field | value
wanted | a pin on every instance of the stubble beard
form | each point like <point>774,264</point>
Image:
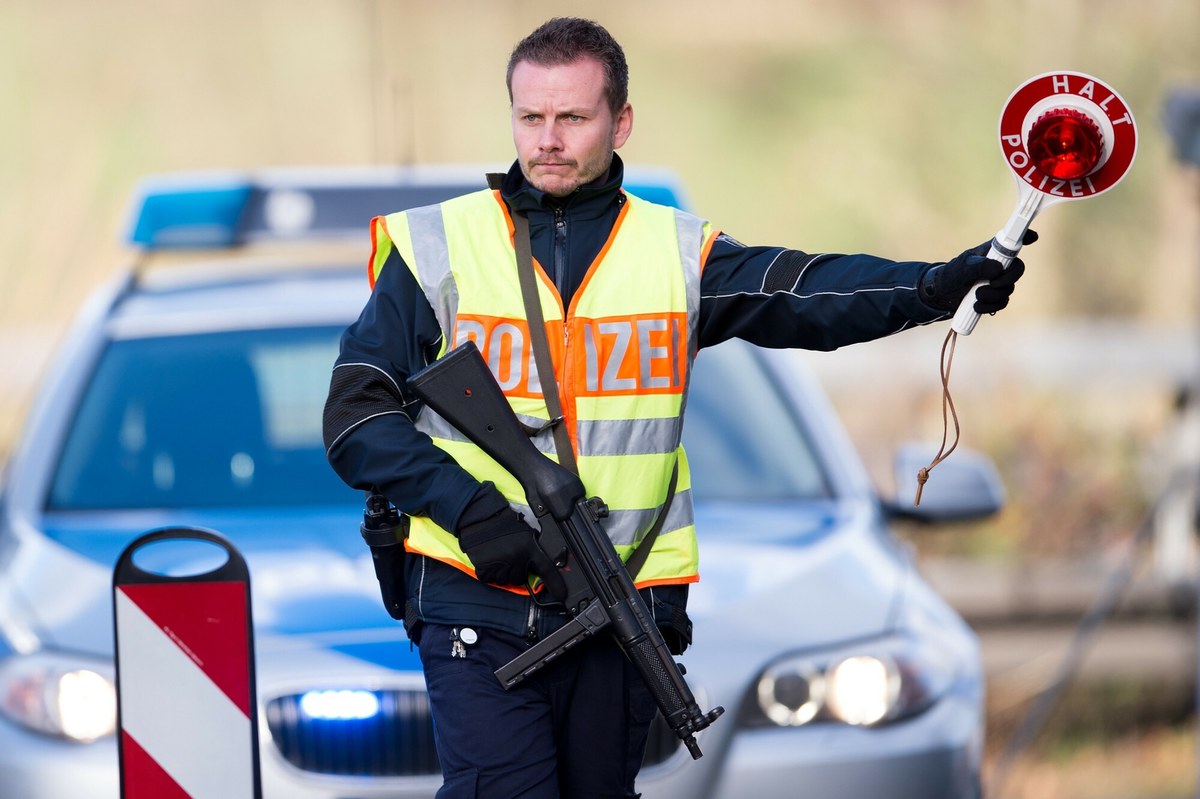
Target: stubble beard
<point>565,185</point>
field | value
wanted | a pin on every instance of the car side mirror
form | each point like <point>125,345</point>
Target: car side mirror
<point>964,487</point>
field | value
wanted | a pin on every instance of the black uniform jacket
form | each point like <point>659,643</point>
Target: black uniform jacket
<point>769,296</point>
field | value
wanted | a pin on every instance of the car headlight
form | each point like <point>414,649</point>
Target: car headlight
<point>869,684</point>
<point>61,696</point>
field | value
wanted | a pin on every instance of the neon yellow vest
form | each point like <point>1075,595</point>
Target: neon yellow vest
<point>622,352</point>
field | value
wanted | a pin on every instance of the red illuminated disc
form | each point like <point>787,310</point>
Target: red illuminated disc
<point>1067,135</point>
<point>1065,143</point>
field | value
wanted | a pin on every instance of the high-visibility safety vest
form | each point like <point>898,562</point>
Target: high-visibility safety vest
<point>623,353</point>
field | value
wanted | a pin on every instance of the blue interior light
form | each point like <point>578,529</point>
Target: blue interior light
<point>195,216</point>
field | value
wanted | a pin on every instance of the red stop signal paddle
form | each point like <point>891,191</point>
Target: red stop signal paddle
<point>1066,136</point>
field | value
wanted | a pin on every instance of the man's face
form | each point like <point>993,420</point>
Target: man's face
<point>563,129</point>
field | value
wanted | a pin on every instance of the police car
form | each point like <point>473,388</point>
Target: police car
<point>189,393</point>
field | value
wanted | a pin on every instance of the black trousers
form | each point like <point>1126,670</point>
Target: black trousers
<point>574,730</point>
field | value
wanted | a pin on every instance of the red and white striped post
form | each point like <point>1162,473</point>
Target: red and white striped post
<point>185,677</point>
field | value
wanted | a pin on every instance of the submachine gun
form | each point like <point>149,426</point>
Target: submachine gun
<point>600,594</point>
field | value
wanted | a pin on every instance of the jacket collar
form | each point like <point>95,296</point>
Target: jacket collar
<point>592,199</point>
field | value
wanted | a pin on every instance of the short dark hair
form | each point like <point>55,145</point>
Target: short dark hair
<point>564,40</point>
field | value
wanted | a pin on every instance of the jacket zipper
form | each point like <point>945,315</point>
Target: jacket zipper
<point>560,278</point>
<point>560,248</point>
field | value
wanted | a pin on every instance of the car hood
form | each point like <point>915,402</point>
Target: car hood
<point>822,573</point>
<point>313,589</point>
<point>305,582</point>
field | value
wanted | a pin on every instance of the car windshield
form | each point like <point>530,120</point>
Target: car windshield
<point>744,442</point>
<point>229,419</point>
<point>233,419</point>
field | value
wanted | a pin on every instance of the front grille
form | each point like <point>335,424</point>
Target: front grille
<point>395,742</point>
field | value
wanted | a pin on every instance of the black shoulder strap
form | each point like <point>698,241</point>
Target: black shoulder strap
<point>537,336</point>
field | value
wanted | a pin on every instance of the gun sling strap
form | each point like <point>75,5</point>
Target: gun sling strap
<point>545,366</point>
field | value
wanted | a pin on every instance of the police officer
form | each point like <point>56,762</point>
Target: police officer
<point>629,291</point>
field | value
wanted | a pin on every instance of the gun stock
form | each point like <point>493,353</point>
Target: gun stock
<point>601,594</point>
<point>460,388</point>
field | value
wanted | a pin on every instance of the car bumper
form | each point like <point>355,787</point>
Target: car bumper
<point>35,766</point>
<point>933,756</point>
<point>899,762</point>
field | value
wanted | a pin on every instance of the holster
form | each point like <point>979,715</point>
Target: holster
<point>384,529</point>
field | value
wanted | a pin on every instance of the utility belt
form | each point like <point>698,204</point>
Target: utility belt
<point>384,530</point>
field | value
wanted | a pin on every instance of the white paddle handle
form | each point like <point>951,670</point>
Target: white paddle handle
<point>1005,247</point>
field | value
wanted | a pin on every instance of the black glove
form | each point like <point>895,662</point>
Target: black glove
<point>943,286</point>
<point>502,547</point>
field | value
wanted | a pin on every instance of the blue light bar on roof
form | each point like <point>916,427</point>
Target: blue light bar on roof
<point>657,185</point>
<point>655,193</point>
<point>198,216</point>
<point>225,209</point>
<point>214,210</point>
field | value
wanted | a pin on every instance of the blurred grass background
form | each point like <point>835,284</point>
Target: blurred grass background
<point>827,125</point>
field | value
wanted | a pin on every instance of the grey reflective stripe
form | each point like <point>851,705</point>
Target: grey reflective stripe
<point>628,527</point>
<point>468,329</point>
<point>676,346</point>
<point>432,255</point>
<point>592,372</point>
<point>622,333</point>
<point>433,425</point>
<point>544,440</point>
<point>629,436</point>
<point>681,513</point>
<point>690,231</point>
<point>497,349</point>
<point>651,353</point>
